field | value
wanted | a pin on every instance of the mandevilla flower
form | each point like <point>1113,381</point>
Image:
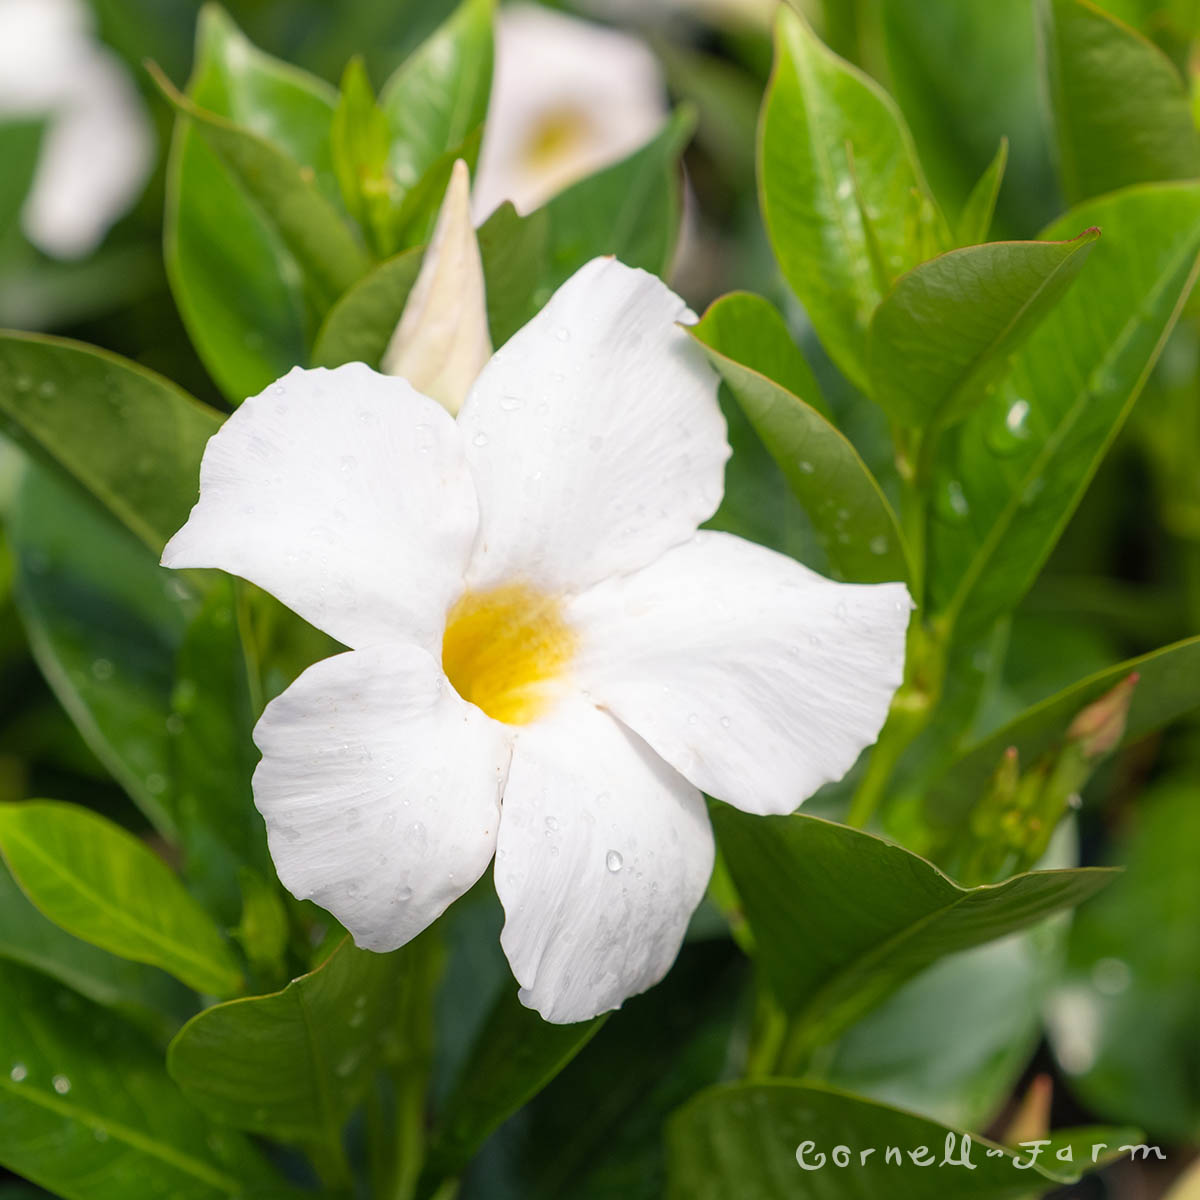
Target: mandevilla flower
<point>98,147</point>
<point>548,663</point>
<point>569,97</point>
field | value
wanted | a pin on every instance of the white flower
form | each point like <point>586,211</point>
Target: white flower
<point>549,663</point>
<point>442,341</point>
<point>98,147</point>
<point>569,97</point>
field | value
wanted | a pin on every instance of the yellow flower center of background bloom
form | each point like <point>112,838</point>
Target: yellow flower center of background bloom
<point>556,135</point>
<point>504,650</point>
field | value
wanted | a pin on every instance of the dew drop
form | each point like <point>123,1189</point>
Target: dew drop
<point>806,467</point>
<point>563,333</point>
<point>952,502</point>
<point>480,439</point>
<point>349,462</point>
<point>878,544</point>
<point>62,1085</point>
<point>18,1073</point>
<point>48,390</point>
<point>510,403</point>
<point>100,1133</point>
<point>613,861</point>
<point>725,722</point>
<point>551,824</point>
<point>102,669</point>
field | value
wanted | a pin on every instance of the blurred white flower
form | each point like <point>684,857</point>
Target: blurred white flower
<point>442,341</point>
<point>549,661</point>
<point>98,147</point>
<point>569,97</point>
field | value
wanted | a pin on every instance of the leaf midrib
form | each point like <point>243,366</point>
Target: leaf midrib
<point>204,966</point>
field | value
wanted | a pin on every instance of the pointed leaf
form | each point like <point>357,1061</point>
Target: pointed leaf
<point>87,1111</point>
<point>1011,475</point>
<point>239,290</point>
<point>975,221</point>
<point>82,410</point>
<point>294,1063</point>
<point>838,180</point>
<point>944,333</point>
<point>793,875</point>
<point>1121,112</point>
<point>439,94</point>
<point>103,885</point>
<point>852,518</point>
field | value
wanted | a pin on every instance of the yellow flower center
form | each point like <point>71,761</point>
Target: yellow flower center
<point>556,135</point>
<point>505,649</point>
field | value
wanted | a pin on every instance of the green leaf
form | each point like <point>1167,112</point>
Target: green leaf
<point>515,1055</point>
<point>1124,1023</point>
<point>238,288</point>
<point>1121,113</point>
<point>842,193</point>
<point>103,885</point>
<point>439,95</point>
<point>793,875</point>
<point>1011,475</point>
<point>758,337</point>
<point>306,221</point>
<point>212,756</point>
<point>975,221</point>
<point>944,333</point>
<point>743,1140</point>
<point>596,1131</point>
<point>129,437</point>
<point>294,1063</point>
<point>104,622</point>
<point>359,144</point>
<point>20,145</point>
<point>143,995</point>
<point>630,210</point>
<point>87,1111</point>
<point>1168,688</point>
<point>850,513</point>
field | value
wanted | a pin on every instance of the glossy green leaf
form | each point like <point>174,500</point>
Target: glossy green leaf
<point>944,333</point>
<point>294,1063</point>
<point>212,755</point>
<point>966,75</point>
<point>143,995</point>
<point>630,210</point>
<point>793,875</point>
<point>103,885</point>
<point>596,1131</point>
<point>1124,1023</point>
<point>359,145</point>
<point>1011,475</point>
<point>239,290</point>
<point>1121,113</point>
<point>845,205</point>
<point>127,436</point>
<point>743,1140</point>
<point>755,334</point>
<point>439,95</point>
<point>975,221</point>
<point>306,221</point>
<point>1168,688</point>
<point>88,1112</point>
<point>853,520</point>
<point>515,1055</point>
<point>104,622</point>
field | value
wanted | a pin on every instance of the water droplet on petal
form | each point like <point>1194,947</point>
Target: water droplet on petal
<point>551,824</point>
<point>480,439</point>
<point>563,333</point>
<point>510,403</point>
<point>613,861</point>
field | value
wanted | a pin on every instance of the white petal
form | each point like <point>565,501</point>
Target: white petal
<point>345,494</point>
<point>99,145</point>
<point>442,341</point>
<point>380,789</point>
<point>594,435</point>
<point>604,853</point>
<point>568,98</point>
<point>753,676</point>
